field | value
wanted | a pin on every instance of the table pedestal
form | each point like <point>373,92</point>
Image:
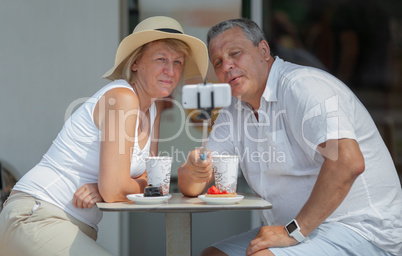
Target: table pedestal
<point>178,234</point>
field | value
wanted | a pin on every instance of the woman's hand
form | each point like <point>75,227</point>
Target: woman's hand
<point>87,196</point>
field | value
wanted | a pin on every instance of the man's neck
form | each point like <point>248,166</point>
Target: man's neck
<point>255,101</point>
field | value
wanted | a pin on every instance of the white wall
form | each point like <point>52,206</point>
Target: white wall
<point>52,52</point>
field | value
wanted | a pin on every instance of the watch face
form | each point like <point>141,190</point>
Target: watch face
<point>291,227</point>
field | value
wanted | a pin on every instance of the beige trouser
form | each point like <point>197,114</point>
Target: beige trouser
<point>29,226</point>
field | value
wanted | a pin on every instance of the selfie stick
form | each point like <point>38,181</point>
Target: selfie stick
<point>204,139</point>
<point>205,115</point>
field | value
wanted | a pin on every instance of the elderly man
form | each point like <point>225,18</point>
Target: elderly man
<point>328,174</point>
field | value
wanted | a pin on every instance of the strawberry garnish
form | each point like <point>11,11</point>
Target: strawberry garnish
<point>213,190</point>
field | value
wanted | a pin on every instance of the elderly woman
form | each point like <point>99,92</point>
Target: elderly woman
<point>99,153</point>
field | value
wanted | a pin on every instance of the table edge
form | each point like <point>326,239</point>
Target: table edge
<point>158,209</point>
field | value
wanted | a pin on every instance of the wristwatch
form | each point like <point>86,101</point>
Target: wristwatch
<point>293,230</point>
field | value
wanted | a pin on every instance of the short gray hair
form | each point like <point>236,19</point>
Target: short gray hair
<point>250,29</point>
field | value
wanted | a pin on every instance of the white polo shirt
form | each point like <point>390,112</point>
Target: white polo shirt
<point>301,108</point>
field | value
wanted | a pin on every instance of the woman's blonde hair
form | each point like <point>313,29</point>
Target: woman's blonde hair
<point>172,44</point>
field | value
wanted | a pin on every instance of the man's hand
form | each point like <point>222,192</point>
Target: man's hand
<point>87,196</point>
<point>198,170</point>
<point>195,173</point>
<point>270,236</point>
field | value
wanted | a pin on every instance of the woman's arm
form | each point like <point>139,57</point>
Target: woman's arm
<point>117,121</point>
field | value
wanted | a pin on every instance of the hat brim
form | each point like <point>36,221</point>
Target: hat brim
<point>196,63</point>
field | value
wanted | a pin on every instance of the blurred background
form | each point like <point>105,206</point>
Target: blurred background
<point>53,54</point>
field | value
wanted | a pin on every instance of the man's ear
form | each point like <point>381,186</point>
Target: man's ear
<point>265,51</point>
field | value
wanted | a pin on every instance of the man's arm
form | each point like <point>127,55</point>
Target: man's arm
<point>195,174</point>
<point>343,163</point>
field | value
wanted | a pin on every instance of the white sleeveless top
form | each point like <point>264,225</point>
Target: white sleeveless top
<point>73,160</point>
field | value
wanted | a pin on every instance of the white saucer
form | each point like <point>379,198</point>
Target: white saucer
<point>221,200</point>
<point>140,199</point>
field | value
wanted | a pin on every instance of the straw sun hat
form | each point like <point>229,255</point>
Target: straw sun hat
<point>156,28</point>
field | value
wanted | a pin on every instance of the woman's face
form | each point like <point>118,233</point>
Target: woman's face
<point>159,69</point>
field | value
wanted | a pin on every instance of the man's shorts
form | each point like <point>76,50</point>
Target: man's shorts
<point>329,239</point>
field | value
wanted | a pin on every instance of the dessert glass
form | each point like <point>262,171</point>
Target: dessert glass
<point>158,172</point>
<point>225,172</point>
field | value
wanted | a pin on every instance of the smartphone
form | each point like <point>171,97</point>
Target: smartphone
<point>200,96</point>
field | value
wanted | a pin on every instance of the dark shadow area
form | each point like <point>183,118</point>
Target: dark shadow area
<point>359,42</point>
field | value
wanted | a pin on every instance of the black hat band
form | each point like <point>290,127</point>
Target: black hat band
<point>169,30</point>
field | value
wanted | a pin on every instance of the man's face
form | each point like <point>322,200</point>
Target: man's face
<point>241,64</point>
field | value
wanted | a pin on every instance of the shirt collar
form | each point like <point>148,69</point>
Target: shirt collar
<point>241,105</point>
<point>271,87</point>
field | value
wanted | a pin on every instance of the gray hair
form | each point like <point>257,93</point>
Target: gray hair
<point>250,29</point>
